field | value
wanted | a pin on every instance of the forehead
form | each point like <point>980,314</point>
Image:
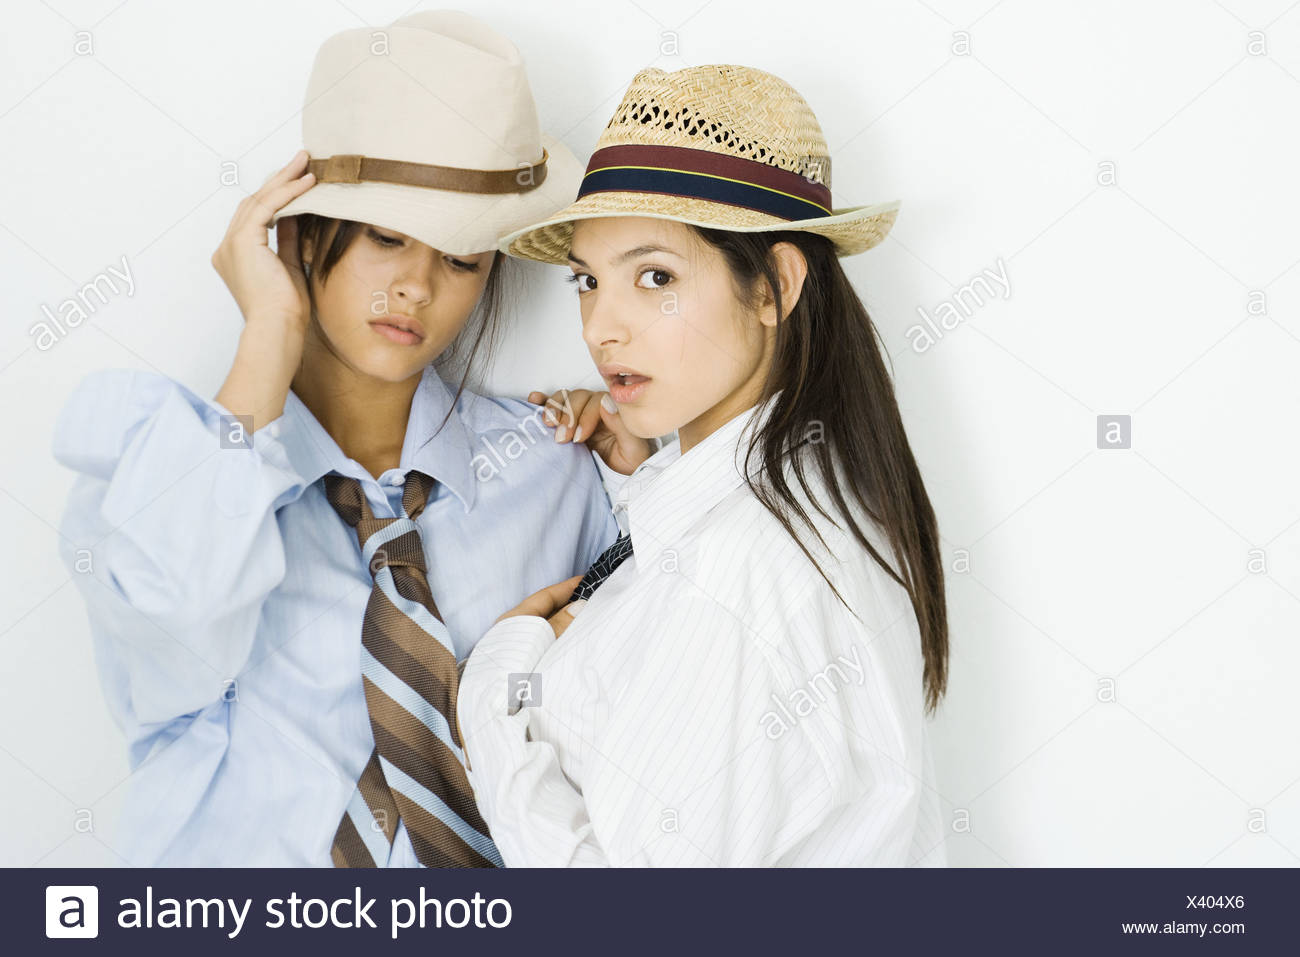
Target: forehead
<point>602,240</point>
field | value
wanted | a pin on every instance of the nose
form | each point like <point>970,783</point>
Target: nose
<point>413,285</point>
<point>601,326</point>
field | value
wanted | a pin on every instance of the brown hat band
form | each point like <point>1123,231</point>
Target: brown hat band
<point>354,168</point>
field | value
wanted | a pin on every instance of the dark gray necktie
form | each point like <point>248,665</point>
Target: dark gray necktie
<point>603,567</point>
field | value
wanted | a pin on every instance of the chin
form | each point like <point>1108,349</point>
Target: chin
<point>390,368</point>
<point>645,423</point>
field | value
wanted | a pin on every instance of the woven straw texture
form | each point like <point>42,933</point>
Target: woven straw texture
<point>734,110</point>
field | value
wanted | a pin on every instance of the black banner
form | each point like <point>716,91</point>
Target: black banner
<point>524,912</point>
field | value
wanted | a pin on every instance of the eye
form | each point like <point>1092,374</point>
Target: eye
<point>389,242</point>
<point>583,281</point>
<point>461,265</point>
<point>658,278</point>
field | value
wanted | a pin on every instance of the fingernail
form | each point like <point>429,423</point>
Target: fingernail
<point>577,434</point>
<point>609,404</point>
<point>576,606</point>
<point>561,433</point>
<point>549,416</point>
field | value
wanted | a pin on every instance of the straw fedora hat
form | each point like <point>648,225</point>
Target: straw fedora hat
<point>722,146</point>
<point>428,127</point>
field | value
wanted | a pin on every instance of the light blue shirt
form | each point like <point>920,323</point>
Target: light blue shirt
<point>225,594</point>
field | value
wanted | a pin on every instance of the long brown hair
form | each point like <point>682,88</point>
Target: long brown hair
<point>829,370</point>
<point>482,329</point>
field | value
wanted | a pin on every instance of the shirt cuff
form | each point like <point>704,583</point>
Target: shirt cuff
<point>511,646</point>
<point>485,700</point>
<point>270,442</point>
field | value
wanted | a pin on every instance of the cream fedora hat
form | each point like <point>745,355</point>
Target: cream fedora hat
<point>428,127</point>
<point>722,146</point>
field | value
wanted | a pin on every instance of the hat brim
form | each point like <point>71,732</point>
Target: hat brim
<point>456,223</point>
<point>852,230</point>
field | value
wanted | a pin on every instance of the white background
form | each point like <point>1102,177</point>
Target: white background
<point>1086,566</point>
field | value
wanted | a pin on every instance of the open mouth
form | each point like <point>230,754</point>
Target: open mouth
<point>625,387</point>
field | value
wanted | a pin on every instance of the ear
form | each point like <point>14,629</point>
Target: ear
<point>791,271</point>
<point>308,252</point>
<point>326,237</point>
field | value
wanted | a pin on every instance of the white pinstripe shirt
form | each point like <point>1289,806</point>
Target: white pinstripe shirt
<point>714,703</point>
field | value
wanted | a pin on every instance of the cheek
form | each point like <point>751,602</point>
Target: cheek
<point>334,301</point>
<point>355,283</point>
<point>662,337</point>
<point>463,291</point>
<point>717,340</point>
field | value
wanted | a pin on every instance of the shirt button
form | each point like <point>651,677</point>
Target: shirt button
<point>395,479</point>
<point>273,430</point>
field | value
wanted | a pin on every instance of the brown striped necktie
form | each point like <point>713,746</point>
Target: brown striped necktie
<point>408,669</point>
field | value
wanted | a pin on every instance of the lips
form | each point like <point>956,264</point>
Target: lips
<point>625,383</point>
<point>403,330</point>
<point>612,371</point>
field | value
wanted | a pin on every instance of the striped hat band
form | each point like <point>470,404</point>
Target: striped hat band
<point>704,174</point>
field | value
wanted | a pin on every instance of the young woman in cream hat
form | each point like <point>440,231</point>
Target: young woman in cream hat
<point>747,680</point>
<point>282,661</point>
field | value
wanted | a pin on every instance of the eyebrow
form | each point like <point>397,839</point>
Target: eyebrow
<point>630,254</point>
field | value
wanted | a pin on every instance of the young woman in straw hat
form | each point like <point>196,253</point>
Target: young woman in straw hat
<point>747,679</point>
<point>273,719</point>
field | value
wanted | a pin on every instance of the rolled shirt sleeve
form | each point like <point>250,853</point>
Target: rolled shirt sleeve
<point>535,815</point>
<point>171,536</point>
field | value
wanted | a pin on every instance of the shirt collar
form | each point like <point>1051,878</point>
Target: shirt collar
<point>669,492</point>
<point>444,455</point>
